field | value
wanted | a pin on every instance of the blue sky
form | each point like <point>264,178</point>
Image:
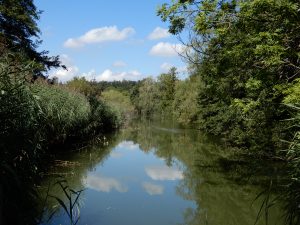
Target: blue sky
<point>108,40</point>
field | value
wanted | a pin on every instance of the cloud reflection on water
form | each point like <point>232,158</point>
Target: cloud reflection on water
<point>163,173</point>
<point>153,189</point>
<point>116,154</point>
<point>104,184</point>
<point>129,145</point>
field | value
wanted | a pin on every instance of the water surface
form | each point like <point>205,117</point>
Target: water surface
<point>159,174</point>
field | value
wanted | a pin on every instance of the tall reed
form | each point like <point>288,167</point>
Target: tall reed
<point>32,117</point>
<point>62,111</point>
<point>19,142</point>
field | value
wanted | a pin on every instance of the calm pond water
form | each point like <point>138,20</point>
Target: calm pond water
<point>159,174</point>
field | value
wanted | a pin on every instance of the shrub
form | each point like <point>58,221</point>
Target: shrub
<point>103,118</point>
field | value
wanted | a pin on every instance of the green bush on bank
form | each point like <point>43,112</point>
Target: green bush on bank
<point>103,118</point>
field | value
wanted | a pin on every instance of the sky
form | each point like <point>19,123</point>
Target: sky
<point>108,40</point>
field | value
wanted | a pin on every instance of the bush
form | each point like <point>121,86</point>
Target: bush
<point>103,118</point>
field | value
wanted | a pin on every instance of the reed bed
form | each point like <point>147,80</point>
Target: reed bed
<point>34,117</point>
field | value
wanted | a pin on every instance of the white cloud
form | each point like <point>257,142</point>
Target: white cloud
<point>153,189</point>
<point>91,75</point>
<point>166,49</point>
<point>108,75</point>
<point>159,33</point>
<point>119,64</point>
<point>104,184</point>
<point>128,145</point>
<point>164,173</point>
<point>99,35</point>
<point>62,74</point>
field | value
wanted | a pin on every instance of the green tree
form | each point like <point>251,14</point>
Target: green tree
<point>246,54</point>
<point>148,100</point>
<point>166,85</point>
<point>185,104</point>
<point>81,85</point>
<point>119,101</point>
<point>19,32</point>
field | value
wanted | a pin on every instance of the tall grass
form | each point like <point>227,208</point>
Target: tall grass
<point>291,194</point>
<point>72,204</point>
<point>63,112</point>
<point>32,117</point>
<point>288,194</point>
<point>19,142</point>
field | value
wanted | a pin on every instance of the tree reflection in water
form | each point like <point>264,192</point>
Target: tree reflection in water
<point>222,186</point>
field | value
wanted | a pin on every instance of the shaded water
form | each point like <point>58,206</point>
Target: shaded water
<point>153,173</point>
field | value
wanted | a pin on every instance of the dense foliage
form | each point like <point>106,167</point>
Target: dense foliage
<point>19,33</point>
<point>123,85</point>
<point>119,102</point>
<point>116,94</point>
<point>167,96</point>
<point>246,55</point>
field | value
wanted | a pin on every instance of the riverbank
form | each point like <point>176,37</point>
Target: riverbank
<point>34,118</point>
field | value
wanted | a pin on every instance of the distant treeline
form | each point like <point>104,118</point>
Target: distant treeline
<point>167,96</point>
<point>123,85</point>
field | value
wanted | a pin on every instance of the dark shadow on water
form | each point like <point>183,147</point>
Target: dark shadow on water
<point>278,189</point>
